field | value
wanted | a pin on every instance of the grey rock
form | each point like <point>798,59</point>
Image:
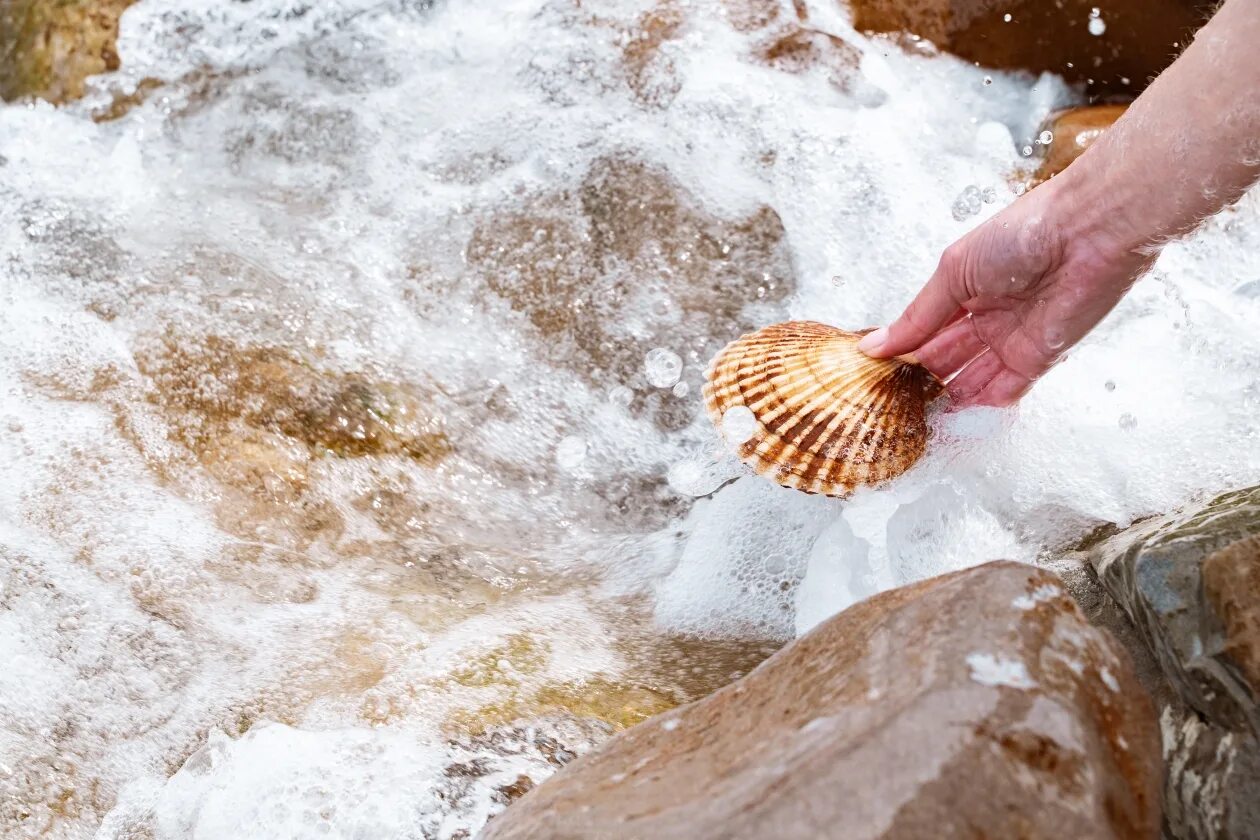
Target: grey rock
<point>1155,571</point>
<point>1189,587</point>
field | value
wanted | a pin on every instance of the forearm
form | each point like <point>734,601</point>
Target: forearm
<point>1187,147</point>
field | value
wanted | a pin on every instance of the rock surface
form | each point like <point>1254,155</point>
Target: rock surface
<point>48,47</point>
<point>976,704</point>
<point>1119,50</point>
<point>1073,131</point>
<point>1190,583</point>
<point>1181,578</point>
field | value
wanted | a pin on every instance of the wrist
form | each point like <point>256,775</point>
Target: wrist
<point>1097,216</point>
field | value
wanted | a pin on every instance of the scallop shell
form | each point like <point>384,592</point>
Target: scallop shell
<point>829,418</point>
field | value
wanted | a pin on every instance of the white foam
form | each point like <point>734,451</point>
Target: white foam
<point>988,669</point>
<point>311,179</point>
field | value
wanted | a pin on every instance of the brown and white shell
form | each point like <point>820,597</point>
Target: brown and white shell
<point>828,417</point>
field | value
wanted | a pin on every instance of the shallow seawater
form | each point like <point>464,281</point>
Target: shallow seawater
<point>355,470</point>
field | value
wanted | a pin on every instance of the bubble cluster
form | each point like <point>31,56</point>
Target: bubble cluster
<point>662,367</point>
<point>971,200</point>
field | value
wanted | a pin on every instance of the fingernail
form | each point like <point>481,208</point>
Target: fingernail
<point>871,342</point>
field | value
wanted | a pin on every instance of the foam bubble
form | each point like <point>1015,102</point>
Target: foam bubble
<point>739,424</point>
<point>662,367</point>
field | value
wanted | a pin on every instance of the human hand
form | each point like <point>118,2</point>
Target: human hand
<point>1011,297</point>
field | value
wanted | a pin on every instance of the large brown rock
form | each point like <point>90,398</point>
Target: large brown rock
<point>1139,38</point>
<point>978,704</point>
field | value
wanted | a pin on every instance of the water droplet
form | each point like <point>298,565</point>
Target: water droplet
<point>621,395</point>
<point>1045,137</point>
<point>968,203</point>
<point>1027,151</point>
<point>1128,422</point>
<point>662,367</point>
<point>1096,24</point>
<point>1109,385</point>
<point>738,424</point>
<point>1007,17</point>
<point>571,452</point>
<point>988,80</point>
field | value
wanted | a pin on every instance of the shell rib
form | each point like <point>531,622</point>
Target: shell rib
<point>829,417</point>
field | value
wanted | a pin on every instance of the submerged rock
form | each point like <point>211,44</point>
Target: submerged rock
<point>607,271</point>
<point>1115,47</point>
<point>788,43</point>
<point>797,49</point>
<point>976,704</point>
<point>276,392</point>
<point>48,48</point>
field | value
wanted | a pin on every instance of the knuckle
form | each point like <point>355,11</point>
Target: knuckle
<point>953,258</point>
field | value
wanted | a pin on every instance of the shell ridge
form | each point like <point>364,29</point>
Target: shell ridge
<point>829,418</point>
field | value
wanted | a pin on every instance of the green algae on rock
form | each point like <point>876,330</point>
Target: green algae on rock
<point>48,47</point>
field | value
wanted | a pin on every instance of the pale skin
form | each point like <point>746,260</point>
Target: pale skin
<point>1009,299</point>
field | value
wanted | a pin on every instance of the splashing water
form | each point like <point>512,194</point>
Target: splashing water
<point>328,436</point>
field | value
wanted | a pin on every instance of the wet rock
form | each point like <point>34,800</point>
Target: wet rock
<point>1210,772</point>
<point>1007,716</point>
<point>751,15</point>
<point>797,49</point>
<point>1181,579</point>
<point>1212,782</point>
<point>1231,585</point>
<point>1118,50</point>
<point>650,71</point>
<point>263,422</point>
<point>1190,583</point>
<point>1072,132</point>
<point>661,672</point>
<point>608,270</point>
<point>275,392</point>
<point>786,42</point>
<point>48,48</point>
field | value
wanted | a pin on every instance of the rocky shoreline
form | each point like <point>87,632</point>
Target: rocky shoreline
<point>1001,701</point>
<point>1111,693</point>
